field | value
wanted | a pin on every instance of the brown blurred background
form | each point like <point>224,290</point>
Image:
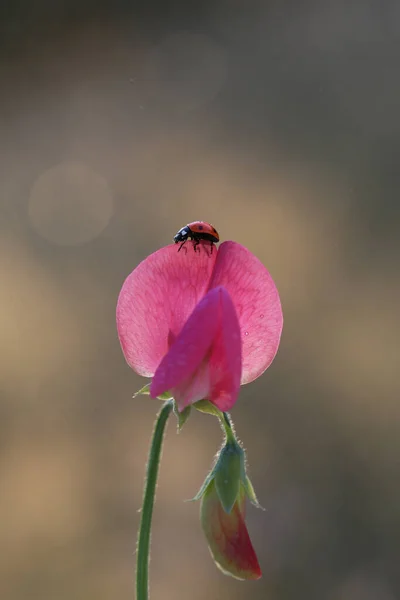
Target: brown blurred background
<point>278,121</point>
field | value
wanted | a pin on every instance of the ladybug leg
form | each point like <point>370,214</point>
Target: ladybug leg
<point>180,247</point>
<point>196,241</point>
<point>212,247</point>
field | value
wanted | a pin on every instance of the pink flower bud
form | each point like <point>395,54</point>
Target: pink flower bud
<point>227,535</point>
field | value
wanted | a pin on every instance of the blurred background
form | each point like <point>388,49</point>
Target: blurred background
<point>278,122</point>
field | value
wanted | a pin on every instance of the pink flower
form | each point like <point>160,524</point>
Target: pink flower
<point>200,323</point>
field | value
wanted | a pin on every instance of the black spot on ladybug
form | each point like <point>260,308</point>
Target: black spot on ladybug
<point>201,227</point>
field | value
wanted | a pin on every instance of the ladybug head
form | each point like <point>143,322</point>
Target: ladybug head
<point>182,235</point>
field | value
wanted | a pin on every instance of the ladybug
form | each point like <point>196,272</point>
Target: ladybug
<point>197,231</point>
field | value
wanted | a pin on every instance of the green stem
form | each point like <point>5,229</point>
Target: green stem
<point>143,545</point>
<point>227,427</point>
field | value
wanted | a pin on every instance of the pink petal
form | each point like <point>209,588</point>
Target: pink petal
<point>179,365</point>
<point>156,300</point>
<point>227,536</point>
<point>205,359</point>
<point>196,387</point>
<point>257,305</point>
<point>226,357</point>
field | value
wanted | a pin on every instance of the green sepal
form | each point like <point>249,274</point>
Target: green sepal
<point>145,391</point>
<point>250,493</point>
<point>165,396</point>
<point>183,416</point>
<point>205,406</point>
<point>247,485</point>
<point>204,487</point>
<point>228,475</point>
<point>229,471</point>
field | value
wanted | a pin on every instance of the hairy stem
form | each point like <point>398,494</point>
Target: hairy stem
<point>143,544</point>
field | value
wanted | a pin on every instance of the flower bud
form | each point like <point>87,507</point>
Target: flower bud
<point>227,535</point>
<point>222,513</point>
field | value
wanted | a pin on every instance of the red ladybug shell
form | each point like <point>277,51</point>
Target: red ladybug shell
<point>201,228</point>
